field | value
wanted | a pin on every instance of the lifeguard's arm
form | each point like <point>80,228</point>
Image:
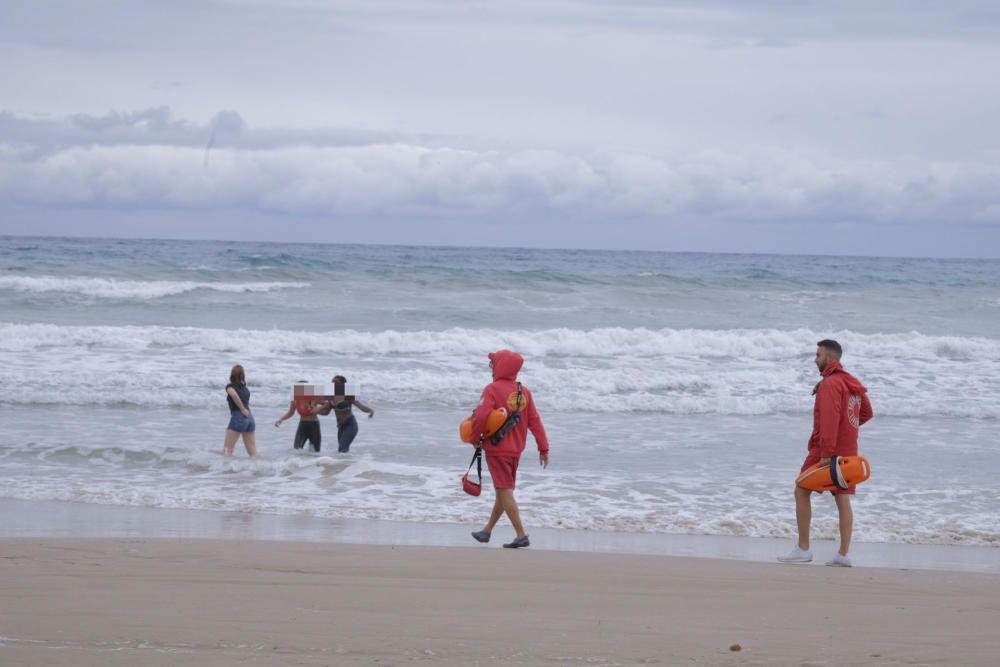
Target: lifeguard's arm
<point>829,404</point>
<point>866,409</point>
<point>236,399</point>
<point>364,408</point>
<point>487,403</point>
<point>287,415</point>
<point>537,428</point>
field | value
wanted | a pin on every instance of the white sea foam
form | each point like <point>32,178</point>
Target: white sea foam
<point>409,489</point>
<point>108,288</point>
<point>756,344</point>
<point>742,372</point>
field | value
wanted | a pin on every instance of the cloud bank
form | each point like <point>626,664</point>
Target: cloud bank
<point>152,160</point>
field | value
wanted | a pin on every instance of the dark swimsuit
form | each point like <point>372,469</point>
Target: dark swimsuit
<point>347,425</point>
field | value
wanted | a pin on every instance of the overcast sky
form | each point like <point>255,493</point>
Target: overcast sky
<point>867,128</point>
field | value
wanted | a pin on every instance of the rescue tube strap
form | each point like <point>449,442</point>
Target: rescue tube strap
<point>511,422</point>
<point>477,460</point>
<point>834,476</point>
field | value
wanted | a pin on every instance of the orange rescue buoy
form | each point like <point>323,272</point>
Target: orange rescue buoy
<point>493,422</point>
<point>842,472</point>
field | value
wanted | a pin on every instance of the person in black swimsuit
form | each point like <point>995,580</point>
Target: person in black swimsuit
<point>347,425</point>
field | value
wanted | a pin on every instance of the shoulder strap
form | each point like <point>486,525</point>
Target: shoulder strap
<point>512,420</point>
<point>477,460</point>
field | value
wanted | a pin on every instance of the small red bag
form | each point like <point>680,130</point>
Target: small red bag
<point>470,487</point>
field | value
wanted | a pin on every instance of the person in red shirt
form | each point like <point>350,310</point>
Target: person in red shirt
<point>308,422</point>
<point>841,407</point>
<point>503,457</point>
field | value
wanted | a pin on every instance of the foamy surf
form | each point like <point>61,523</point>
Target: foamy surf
<point>109,288</point>
<point>671,371</point>
<point>411,483</point>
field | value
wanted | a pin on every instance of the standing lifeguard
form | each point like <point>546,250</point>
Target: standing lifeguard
<point>841,408</point>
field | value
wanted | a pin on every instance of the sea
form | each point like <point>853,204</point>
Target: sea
<point>675,387</point>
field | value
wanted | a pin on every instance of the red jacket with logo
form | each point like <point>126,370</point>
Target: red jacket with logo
<point>502,393</point>
<point>842,406</point>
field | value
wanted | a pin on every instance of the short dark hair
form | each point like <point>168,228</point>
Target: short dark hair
<point>832,346</point>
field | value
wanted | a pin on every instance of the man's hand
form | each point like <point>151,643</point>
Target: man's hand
<point>543,459</point>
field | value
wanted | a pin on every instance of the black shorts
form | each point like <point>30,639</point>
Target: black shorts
<point>308,431</point>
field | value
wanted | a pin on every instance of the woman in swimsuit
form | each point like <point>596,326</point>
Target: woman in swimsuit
<point>347,425</point>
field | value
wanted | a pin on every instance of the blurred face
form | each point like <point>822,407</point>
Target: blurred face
<point>823,358</point>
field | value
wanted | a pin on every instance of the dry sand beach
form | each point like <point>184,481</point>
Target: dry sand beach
<point>204,602</point>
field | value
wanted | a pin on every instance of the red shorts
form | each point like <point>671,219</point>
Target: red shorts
<point>503,470</point>
<point>813,460</point>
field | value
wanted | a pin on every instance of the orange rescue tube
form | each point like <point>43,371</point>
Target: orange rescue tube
<point>842,472</point>
<point>493,422</point>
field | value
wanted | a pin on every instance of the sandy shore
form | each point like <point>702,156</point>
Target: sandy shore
<point>201,602</point>
<point>52,519</point>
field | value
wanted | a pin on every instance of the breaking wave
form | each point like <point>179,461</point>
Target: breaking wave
<point>109,288</point>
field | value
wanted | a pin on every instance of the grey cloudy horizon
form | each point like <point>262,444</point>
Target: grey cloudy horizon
<point>821,128</point>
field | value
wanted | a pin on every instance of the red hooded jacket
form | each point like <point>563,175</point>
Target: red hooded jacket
<point>842,406</point>
<point>502,393</point>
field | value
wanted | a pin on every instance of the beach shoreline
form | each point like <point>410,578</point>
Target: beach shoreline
<point>220,603</point>
<point>24,519</point>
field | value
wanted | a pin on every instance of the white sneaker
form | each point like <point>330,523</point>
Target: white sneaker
<point>839,560</point>
<point>797,555</point>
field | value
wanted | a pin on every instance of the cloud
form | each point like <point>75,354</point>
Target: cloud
<point>158,126</point>
<point>151,160</point>
<point>766,23</point>
<point>117,26</point>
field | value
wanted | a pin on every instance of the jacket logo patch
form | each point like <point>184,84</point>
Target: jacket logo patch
<point>854,410</point>
<point>512,401</point>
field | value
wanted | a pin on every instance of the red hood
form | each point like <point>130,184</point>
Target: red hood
<point>506,364</point>
<point>853,384</point>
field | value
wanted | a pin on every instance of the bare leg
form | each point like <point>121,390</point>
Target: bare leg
<point>506,496</point>
<point>495,514</point>
<point>803,515</point>
<point>230,442</point>
<point>250,442</point>
<point>846,522</point>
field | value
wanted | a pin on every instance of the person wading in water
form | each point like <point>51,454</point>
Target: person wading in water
<point>340,404</point>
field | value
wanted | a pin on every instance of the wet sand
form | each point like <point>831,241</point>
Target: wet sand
<point>204,602</point>
<point>29,519</point>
